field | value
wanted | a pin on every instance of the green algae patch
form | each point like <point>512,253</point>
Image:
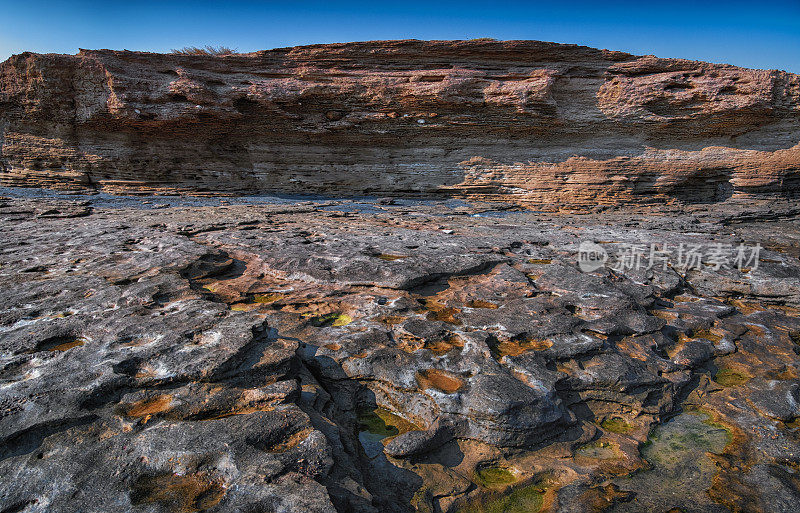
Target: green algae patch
<point>377,426</point>
<point>715,428</point>
<point>342,320</point>
<point>212,287</point>
<point>373,422</point>
<point>266,298</point>
<point>331,319</point>
<point>494,477</point>
<point>421,500</point>
<point>729,377</point>
<point>525,499</point>
<point>380,421</point>
<point>616,425</point>
<point>685,437</point>
<point>678,454</point>
<point>599,450</point>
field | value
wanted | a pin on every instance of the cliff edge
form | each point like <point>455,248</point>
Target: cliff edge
<point>523,121</point>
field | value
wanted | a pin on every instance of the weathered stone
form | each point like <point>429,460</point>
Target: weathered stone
<point>420,442</point>
<point>162,359</point>
<point>521,121</point>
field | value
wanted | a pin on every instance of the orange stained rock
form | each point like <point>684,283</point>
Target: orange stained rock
<point>149,406</point>
<point>444,381</point>
<point>178,493</point>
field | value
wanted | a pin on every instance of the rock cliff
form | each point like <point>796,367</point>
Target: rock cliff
<point>523,121</point>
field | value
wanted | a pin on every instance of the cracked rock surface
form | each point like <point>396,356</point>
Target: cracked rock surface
<point>392,356</point>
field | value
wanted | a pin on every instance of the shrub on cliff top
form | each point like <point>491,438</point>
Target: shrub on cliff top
<point>206,50</point>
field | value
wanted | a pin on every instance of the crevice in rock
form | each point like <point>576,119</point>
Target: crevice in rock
<point>29,439</point>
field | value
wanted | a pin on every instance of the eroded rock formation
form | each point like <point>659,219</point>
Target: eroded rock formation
<point>357,357</point>
<point>530,122</point>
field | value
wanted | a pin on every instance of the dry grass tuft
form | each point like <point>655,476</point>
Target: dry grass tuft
<point>215,51</point>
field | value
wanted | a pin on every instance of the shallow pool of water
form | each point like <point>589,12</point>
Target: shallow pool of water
<point>682,471</point>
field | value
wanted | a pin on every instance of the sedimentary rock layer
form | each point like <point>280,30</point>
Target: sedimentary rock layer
<point>523,121</point>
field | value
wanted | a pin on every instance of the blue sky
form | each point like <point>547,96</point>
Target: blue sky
<point>759,34</point>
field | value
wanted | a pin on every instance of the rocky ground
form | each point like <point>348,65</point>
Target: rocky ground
<point>392,356</point>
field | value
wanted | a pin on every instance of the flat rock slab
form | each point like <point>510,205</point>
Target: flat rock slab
<point>206,357</point>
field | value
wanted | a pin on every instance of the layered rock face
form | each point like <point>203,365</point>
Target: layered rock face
<point>528,122</point>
